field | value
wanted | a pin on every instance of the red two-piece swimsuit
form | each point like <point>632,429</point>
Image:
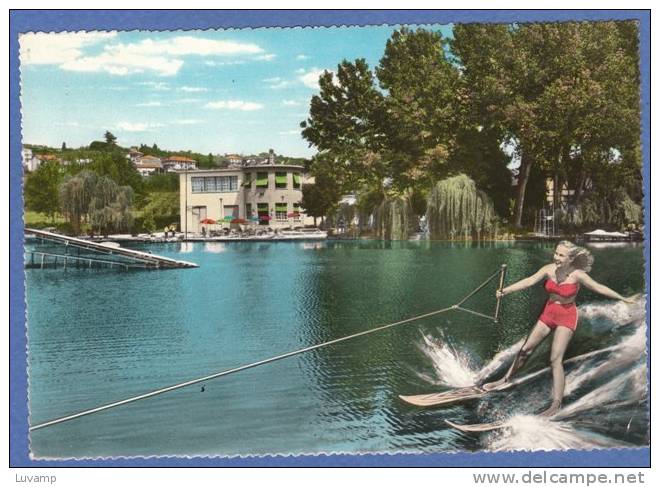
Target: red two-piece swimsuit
<point>557,314</point>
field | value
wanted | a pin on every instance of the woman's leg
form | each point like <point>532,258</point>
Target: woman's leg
<point>560,343</point>
<point>539,332</point>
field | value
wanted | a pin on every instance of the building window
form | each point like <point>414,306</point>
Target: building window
<point>280,211</point>
<point>210,184</point>
<point>262,213</point>
<point>197,185</point>
<point>296,180</point>
<point>262,180</point>
<point>227,183</point>
<point>280,180</point>
<point>248,210</point>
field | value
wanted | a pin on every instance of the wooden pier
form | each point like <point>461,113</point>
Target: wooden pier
<point>77,252</point>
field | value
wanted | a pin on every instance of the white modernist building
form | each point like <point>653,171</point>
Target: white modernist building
<point>265,195</point>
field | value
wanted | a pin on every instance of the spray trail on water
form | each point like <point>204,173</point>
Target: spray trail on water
<point>526,432</point>
<point>611,315</point>
<point>626,354</point>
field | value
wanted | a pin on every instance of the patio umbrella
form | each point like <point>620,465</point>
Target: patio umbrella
<point>295,214</point>
<point>239,220</point>
<point>264,218</point>
<point>228,218</point>
<point>208,221</point>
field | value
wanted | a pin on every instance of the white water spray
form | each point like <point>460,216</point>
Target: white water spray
<point>453,368</point>
<point>524,432</point>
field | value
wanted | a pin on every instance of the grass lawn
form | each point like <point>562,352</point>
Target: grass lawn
<point>34,219</point>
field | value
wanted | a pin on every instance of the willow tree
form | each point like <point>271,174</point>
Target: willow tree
<point>76,193</point>
<point>86,197</point>
<point>110,207</point>
<point>457,209</point>
<point>394,218</point>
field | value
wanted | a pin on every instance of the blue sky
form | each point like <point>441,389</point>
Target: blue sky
<point>228,91</point>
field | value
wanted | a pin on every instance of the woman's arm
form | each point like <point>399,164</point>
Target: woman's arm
<point>584,278</point>
<point>527,282</point>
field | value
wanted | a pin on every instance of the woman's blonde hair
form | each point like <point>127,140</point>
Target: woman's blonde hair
<point>580,257</point>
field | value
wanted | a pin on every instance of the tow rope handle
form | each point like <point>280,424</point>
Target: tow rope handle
<point>499,291</point>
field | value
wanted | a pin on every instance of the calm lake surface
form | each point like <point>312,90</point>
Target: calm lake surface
<point>98,336</point>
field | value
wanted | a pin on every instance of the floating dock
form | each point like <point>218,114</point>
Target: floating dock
<point>77,252</point>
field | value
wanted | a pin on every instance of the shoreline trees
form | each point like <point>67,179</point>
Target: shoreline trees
<point>564,95</point>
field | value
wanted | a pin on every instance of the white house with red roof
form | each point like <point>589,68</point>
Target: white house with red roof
<point>179,163</point>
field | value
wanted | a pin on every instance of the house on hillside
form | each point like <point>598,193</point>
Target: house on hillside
<point>134,154</point>
<point>179,163</point>
<point>234,159</point>
<point>148,165</point>
<point>30,161</point>
<point>52,158</point>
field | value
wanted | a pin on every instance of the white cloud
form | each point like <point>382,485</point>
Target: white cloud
<point>162,57</point>
<point>311,78</point>
<point>124,62</point>
<point>57,48</point>
<point>187,121</point>
<point>150,104</point>
<point>187,100</point>
<point>138,127</point>
<point>289,132</point>
<point>224,63</point>
<point>156,85</point>
<point>186,46</point>
<point>302,57</point>
<point>291,103</point>
<point>245,106</point>
<point>193,89</point>
<point>277,83</point>
<point>266,57</point>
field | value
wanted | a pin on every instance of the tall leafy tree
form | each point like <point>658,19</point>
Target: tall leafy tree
<point>120,169</point>
<point>422,115</point>
<point>321,198</point>
<point>41,188</point>
<point>344,124</point>
<point>110,138</point>
<point>552,88</point>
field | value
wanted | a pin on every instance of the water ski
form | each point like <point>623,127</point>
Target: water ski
<point>449,397</point>
<point>478,427</point>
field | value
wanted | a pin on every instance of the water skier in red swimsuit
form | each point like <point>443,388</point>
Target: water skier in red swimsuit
<point>563,278</point>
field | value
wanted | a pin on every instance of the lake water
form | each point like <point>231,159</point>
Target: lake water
<point>98,336</point>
